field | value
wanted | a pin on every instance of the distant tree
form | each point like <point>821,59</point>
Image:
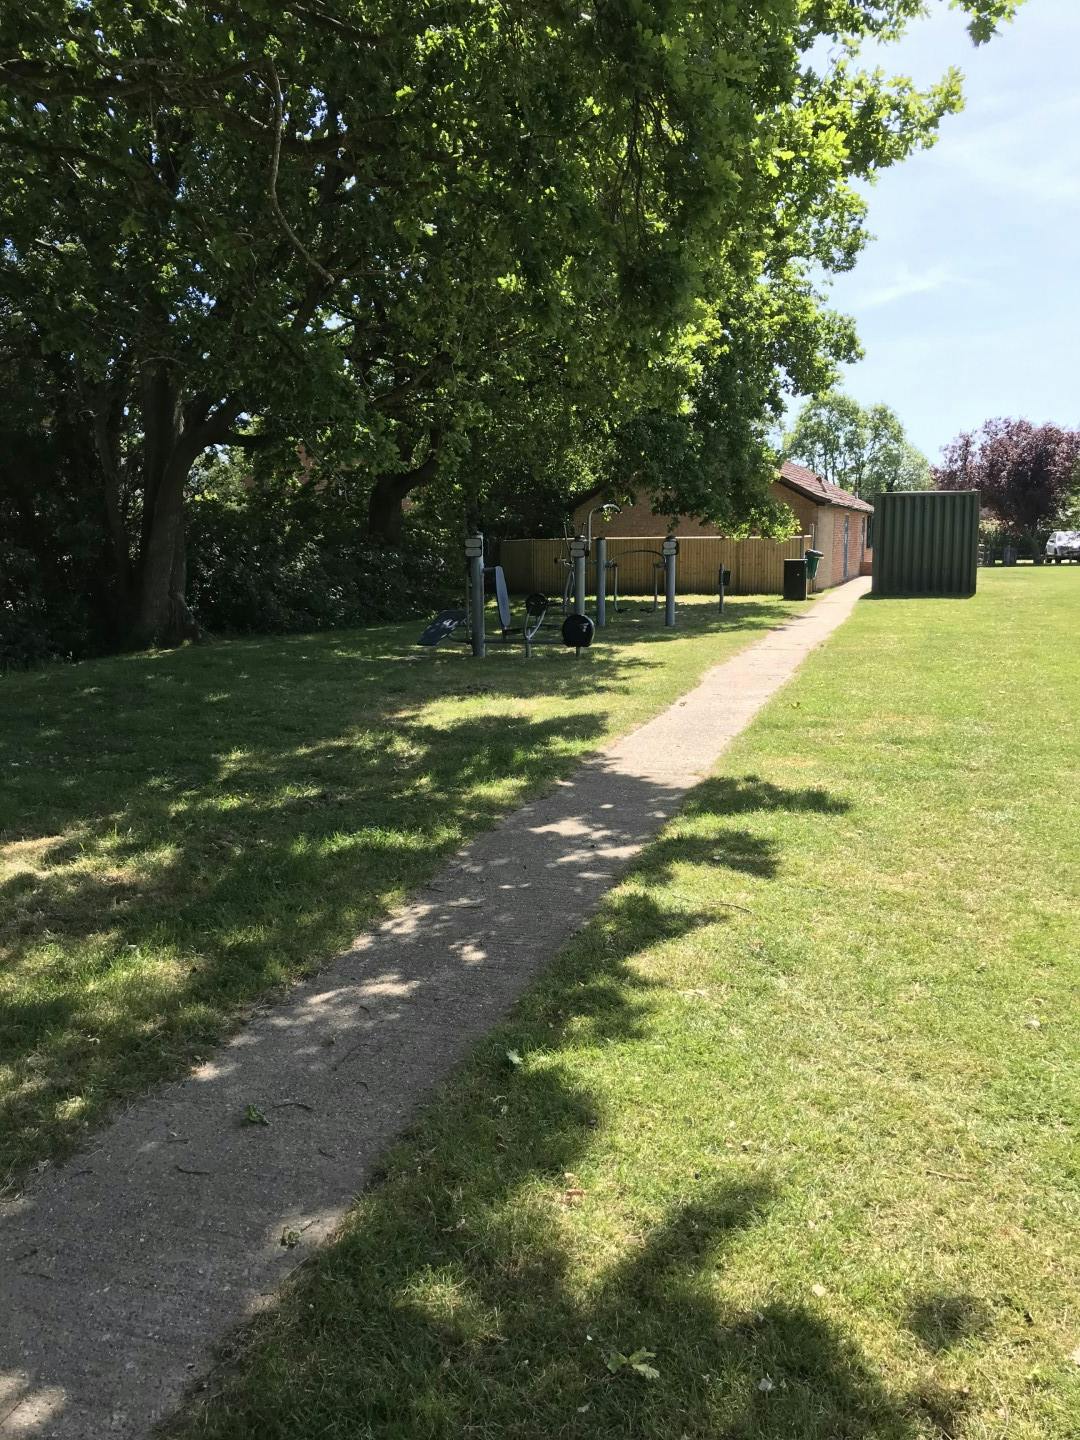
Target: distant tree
<point>862,448</point>
<point>1027,475</point>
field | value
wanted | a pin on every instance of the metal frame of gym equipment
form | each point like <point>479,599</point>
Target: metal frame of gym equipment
<point>577,628</point>
<point>471,618</point>
<point>665,568</point>
<point>578,548</point>
<point>573,595</point>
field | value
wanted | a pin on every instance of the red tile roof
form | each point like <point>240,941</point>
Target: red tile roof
<point>805,482</point>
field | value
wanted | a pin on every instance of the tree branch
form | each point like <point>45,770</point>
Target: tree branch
<point>279,122</point>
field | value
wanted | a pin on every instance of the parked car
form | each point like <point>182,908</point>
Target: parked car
<point>1063,545</point>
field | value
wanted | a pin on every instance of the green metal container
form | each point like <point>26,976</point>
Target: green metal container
<point>926,542</point>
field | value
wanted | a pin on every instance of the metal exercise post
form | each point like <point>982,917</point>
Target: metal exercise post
<point>601,582</point>
<point>670,549</point>
<point>579,548</point>
<point>474,554</point>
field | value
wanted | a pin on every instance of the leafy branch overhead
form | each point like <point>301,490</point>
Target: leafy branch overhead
<point>395,233</point>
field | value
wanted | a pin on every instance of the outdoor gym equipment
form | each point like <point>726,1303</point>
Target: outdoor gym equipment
<point>665,567</point>
<point>474,556</point>
<point>536,608</point>
<point>670,549</point>
<point>577,630</point>
<point>447,622</point>
<point>607,510</point>
<point>443,626</point>
<point>578,550</point>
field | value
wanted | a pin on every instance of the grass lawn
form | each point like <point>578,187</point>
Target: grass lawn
<point>180,832</point>
<point>786,1155</point>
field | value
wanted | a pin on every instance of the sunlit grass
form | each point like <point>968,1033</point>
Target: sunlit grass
<point>182,831</point>
<point>795,1114</point>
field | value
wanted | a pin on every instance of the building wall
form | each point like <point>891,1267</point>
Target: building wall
<point>823,523</point>
<point>838,572</point>
<point>638,520</point>
<point>806,511</point>
<point>823,541</point>
<point>830,540</point>
<point>641,519</point>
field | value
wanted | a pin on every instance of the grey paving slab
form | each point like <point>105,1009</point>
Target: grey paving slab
<point>120,1271</point>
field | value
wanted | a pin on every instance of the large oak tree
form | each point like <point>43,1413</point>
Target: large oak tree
<point>374,226</point>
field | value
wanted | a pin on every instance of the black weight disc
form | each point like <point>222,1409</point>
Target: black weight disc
<point>577,630</point>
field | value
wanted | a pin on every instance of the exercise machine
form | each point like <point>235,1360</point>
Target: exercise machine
<point>471,619</point>
<point>578,550</point>
<point>664,570</point>
<point>577,628</point>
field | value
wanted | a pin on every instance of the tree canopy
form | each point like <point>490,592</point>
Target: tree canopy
<point>862,448</point>
<point>1027,476</point>
<point>389,231</point>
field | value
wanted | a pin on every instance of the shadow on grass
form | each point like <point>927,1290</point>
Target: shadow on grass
<point>462,1298</point>
<point>942,1321</point>
<point>184,831</point>
<point>730,846</point>
<point>462,1253</point>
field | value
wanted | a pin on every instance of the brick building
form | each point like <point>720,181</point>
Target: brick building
<point>836,521</point>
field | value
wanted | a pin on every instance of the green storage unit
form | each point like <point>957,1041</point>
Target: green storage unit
<point>926,542</point>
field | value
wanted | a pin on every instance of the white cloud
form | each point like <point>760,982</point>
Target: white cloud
<point>905,283</point>
<point>1027,154</point>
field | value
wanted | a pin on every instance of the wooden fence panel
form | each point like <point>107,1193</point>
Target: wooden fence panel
<point>757,566</point>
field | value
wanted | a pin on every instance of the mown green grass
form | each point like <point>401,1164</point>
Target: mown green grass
<point>792,1114</point>
<point>180,832</point>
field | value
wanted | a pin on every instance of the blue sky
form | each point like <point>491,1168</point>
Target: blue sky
<point>968,300</point>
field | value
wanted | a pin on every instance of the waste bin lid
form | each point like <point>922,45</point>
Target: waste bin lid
<point>819,553</point>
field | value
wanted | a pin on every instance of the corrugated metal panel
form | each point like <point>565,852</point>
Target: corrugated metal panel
<point>926,542</point>
<point>757,566</point>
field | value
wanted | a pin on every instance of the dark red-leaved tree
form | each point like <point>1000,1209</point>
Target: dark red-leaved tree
<point>1026,474</point>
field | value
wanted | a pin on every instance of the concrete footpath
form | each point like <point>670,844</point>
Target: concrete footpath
<point>121,1270</point>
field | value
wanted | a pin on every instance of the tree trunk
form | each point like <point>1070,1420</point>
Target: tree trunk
<point>386,515</point>
<point>163,617</point>
<point>107,410</point>
<point>169,450</point>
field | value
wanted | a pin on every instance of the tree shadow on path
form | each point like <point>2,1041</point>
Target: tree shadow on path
<point>461,1297</point>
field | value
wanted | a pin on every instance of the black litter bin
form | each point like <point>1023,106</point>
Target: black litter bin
<point>795,579</point>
